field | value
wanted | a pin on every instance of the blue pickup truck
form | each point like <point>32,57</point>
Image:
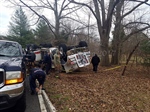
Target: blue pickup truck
<point>12,76</point>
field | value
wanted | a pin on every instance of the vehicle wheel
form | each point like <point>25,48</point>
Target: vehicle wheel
<point>33,56</point>
<point>71,47</point>
<point>49,45</point>
<point>63,49</point>
<point>21,104</point>
<point>46,45</point>
<point>83,44</point>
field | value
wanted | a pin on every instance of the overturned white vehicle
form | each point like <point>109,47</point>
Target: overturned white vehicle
<point>72,57</point>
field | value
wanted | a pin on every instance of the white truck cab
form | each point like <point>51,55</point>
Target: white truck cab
<point>77,58</point>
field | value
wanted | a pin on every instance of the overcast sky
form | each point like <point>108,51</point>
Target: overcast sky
<point>6,12</point>
<point>5,15</point>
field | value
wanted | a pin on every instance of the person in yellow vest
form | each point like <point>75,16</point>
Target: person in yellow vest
<point>57,63</point>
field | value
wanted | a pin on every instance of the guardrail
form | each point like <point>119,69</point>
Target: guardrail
<point>45,103</point>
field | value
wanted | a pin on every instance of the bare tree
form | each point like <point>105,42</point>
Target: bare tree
<point>118,35</point>
<point>57,10</point>
<point>104,22</point>
<point>104,14</point>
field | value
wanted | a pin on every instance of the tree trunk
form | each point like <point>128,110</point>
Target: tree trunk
<point>57,25</point>
<point>104,51</point>
<point>116,45</point>
<point>118,31</point>
<point>115,56</point>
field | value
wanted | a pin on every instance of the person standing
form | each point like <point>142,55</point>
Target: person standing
<point>57,63</point>
<point>48,62</point>
<point>95,61</point>
<point>38,74</point>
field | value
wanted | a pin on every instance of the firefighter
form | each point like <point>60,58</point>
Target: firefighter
<point>57,63</point>
<point>48,62</point>
<point>36,74</point>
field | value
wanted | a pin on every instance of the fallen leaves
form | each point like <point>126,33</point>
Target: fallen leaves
<point>86,91</point>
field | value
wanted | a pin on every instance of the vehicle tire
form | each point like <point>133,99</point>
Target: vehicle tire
<point>83,44</point>
<point>63,48</point>
<point>21,104</point>
<point>49,45</point>
<point>33,56</point>
<point>46,45</point>
<point>71,47</point>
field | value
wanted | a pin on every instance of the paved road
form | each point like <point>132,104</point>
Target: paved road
<point>31,100</point>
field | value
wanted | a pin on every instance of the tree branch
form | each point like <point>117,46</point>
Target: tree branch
<point>69,12</point>
<point>135,32</point>
<point>133,8</point>
<point>43,17</point>
<point>140,1</point>
<point>72,1</point>
<point>103,10</point>
<point>128,59</point>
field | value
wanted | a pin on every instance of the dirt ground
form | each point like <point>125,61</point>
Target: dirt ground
<point>105,91</point>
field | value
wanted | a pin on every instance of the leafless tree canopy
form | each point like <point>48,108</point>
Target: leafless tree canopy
<point>64,14</point>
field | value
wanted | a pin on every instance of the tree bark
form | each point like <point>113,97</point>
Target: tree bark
<point>117,34</point>
<point>104,51</point>
<point>115,55</point>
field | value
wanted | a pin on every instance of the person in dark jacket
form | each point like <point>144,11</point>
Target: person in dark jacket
<point>95,61</point>
<point>48,62</point>
<point>38,74</point>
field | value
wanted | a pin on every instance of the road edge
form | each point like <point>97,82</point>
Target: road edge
<point>45,103</point>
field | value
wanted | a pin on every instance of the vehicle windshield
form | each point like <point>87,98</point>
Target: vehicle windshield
<point>9,49</point>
